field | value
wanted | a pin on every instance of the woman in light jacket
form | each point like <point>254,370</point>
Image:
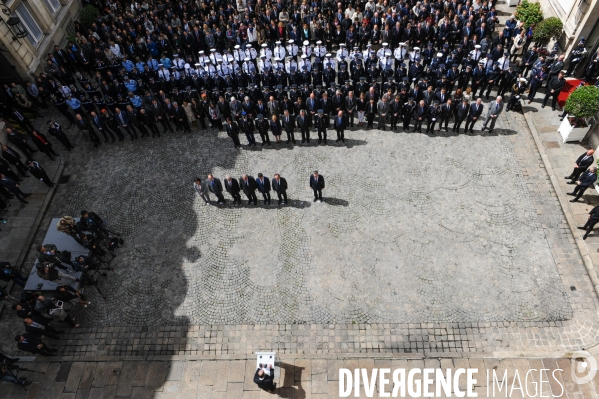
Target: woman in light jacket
<point>191,118</point>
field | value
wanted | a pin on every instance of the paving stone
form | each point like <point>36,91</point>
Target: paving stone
<point>237,371</point>
<point>74,377</point>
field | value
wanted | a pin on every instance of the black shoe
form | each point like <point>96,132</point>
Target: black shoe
<point>581,228</point>
<point>26,195</point>
<point>574,200</point>
<point>571,182</point>
<point>568,177</point>
<point>26,383</point>
<point>343,140</point>
<point>319,141</point>
<point>570,193</point>
<point>584,237</point>
<point>13,360</point>
<point>77,280</point>
<point>325,141</point>
<point>471,131</point>
<point>279,202</point>
<point>543,106</point>
<point>315,199</point>
<point>338,140</point>
<point>553,109</point>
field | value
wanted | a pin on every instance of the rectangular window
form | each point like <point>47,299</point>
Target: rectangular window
<point>53,5</point>
<point>35,35</point>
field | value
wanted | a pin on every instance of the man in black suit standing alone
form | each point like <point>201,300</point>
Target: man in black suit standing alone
<point>581,164</point>
<point>279,184</point>
<point>339,125</point>
<point>317,185</point>
<point>249,186</point>
<point>263,183</point>
<point>475,112</point>
<point>585,181</point>
<point>232,188</point>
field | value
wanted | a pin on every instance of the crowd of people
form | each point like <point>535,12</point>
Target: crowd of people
<point>290,67</point>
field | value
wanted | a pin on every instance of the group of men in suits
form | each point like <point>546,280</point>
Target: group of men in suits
<point>248,184</point>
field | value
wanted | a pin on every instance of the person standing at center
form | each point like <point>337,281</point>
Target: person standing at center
<point>263,183</point>
<point>495,109</point>
<point>317,185</point>
<point>249,186</point>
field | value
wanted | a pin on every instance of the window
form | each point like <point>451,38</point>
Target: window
<point>35,35</point>
<point>53,5</point>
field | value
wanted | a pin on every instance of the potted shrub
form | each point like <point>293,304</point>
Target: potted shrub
<point>529,13</point>
<point>581,105</point>
<point>547,29</point>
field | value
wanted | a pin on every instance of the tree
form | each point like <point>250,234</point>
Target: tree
<point>88,16</point>
<point>583,102</point>
<point>547,29</point>
<point>529,13</point>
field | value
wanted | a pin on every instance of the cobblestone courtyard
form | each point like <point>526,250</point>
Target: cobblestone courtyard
<point>413,228</point>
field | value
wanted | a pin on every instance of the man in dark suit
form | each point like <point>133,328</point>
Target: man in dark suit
<point>148,119</point>
<point>322,124</point>
<point>263,183</point>
<point>476,109</point>
<point>288,122</point>
<point>303,122</point>
<point>587,179</point>
<point>86,128</point>
<point>158,112</point>
<point>233,189</point>
<point>14,158</point>
<point>30,343</point>
<point>233,131</point>
<point>38,172</point>
<point>264,380</point>
<point>433,115</point>
<point>351,107</point>
<point>12,186</point>
<point>340,124</point>
<point>216,187</point>
<point>279,185</point>
<point>420,114</point>
<point>446,111</point>
<point>100,126</point>
<point>581,164</point>
<point>317,185</point>
<point>40,327</point>
<point>461,113</point>
<point>592,220</point>
<point>249,186</point>
<point>123,121</point>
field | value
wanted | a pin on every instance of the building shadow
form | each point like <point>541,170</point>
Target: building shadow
<point>289,387</point>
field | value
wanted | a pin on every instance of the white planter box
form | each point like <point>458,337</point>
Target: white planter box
<point>570,133</point>
<point>511,3</point>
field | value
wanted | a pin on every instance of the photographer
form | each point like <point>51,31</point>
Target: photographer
<point>8,376</point>
<point>55,309</point>
<point>47,271</point>
<point>67,225</point>
<point>40,327</point>
<point>90,221</point>
<point>11,273</point>
<point>30,343</point>
<point>91,243</point>
<point>85,263</point>
<point>66,293</point>
<point>48,253</point>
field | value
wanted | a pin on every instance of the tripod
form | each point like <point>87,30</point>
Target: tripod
<point>90,280</point>
<point>19,368</point>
